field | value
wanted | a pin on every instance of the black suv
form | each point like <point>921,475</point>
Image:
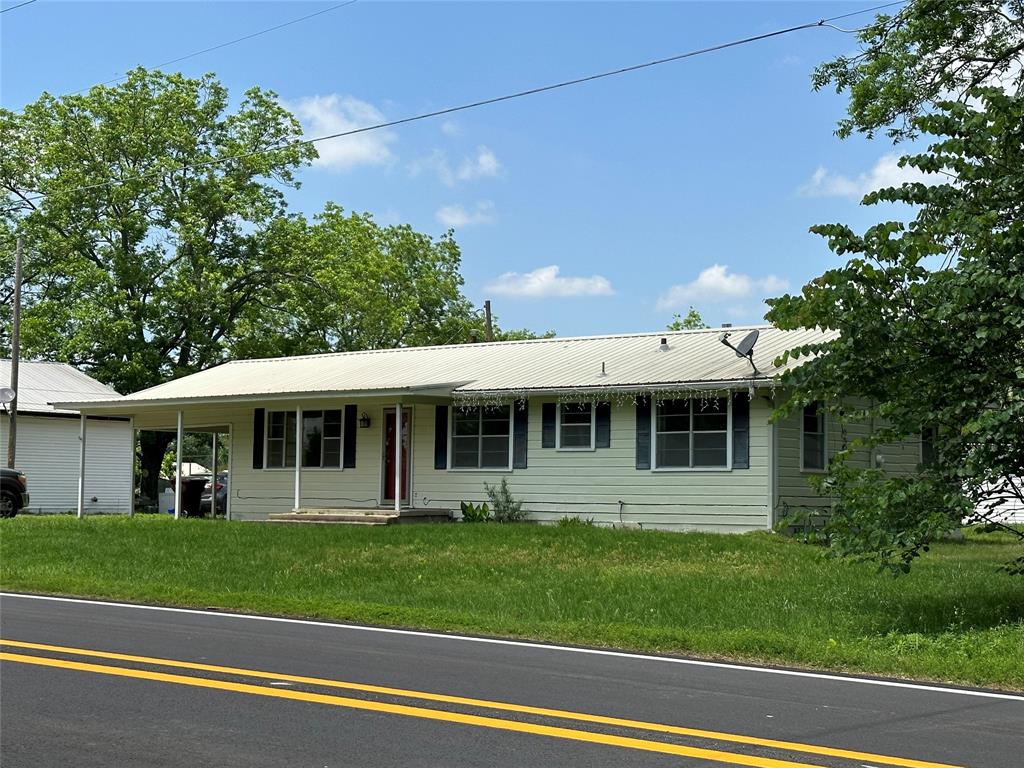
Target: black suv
<point>13,492</point>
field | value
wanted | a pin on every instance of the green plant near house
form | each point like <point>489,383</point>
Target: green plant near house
<point>475,513</point>
<point>574,521</point>
<point>507,508</point>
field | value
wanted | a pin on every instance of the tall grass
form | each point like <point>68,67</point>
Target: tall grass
<point>956,617</point>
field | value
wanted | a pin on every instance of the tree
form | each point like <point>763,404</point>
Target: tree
<point>144,208</point>
<point>930,314</point>
<point>692,322</point>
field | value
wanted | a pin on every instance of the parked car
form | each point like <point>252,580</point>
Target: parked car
<point>13,492</point>
<point>222,495</point>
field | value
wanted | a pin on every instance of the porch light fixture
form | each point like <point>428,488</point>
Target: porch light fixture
<point>364,421</point>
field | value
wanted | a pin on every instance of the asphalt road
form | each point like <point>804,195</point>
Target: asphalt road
<point>93,684</point>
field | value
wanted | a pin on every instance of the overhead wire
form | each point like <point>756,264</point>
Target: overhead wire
<point>19,5</point>
<point>821,23</point>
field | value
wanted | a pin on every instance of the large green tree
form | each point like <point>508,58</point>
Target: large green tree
<point>930,313</point>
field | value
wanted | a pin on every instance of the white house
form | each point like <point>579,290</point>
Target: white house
<point>666,429</point>
<point>48,441</point>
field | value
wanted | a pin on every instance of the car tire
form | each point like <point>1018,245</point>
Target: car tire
<point>8,504</point>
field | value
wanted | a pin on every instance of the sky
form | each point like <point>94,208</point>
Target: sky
<point>601,208</point>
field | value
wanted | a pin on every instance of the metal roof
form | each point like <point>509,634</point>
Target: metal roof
<point>630,361</point>
<point>40,384</point>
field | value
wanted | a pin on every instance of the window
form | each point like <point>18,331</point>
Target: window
<point>575,427</point>
<point>280,439</point>
<point>482,437</point>
<point>321,439</point>
<point>692,434</point>
<point>812,439</point>
<point>927,446</point>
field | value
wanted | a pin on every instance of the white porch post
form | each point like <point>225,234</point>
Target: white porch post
<point>398,458</point>
<point>180,438</point>
<point>231,462</point>
<point>213,481</point>
<point>131,467</point>
<point>81,466</point>
<point>298,457</point>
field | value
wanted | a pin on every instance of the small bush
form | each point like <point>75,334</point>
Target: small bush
<point>475,513</point>
<point>507,509</point>
<point>574,521</point>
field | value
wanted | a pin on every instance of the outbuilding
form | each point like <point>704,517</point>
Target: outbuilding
<point>666,429</point>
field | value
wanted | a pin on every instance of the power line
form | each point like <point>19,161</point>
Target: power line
<point>19,5</point>
<point>479,103</point>
<point>217,47</point>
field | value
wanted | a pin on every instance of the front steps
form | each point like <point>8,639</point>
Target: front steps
<point>360,516</point>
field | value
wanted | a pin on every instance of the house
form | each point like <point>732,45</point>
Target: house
<point>48,440</point>
<point>666,429</point>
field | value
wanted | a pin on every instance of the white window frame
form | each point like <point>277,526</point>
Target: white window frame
<point>298,429</point>
<point>824,440</point>
<point>511,437</point>
<point>728,438</point>
<point>593,430</point>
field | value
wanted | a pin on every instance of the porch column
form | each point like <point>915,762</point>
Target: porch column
<point>298,457</point>
<point>231,461</point>
<point>213,481</point>
<point>179,439</point>
<point>398,458</point>
<point>81,466</point>
<point>131,466</point>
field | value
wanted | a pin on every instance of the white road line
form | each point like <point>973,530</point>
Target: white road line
<point>538,646</point>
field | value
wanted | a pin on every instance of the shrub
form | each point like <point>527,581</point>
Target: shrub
<point>507,509</point>
<point>475,513</point>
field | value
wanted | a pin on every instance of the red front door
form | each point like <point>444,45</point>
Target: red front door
<point>389,455</point>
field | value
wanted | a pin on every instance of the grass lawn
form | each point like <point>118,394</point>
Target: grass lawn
<point>755,597</point>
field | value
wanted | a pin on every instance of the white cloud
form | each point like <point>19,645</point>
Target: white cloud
<point>885,173</point>
<point>336,113</point>
<point>459,216</point>
<point>451,128</point>
<point>718,285</point>
<point>547,282</point>
<point>483,164</point>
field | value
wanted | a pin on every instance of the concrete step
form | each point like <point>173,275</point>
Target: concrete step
<point>354,517</point>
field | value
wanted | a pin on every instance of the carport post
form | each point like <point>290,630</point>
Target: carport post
<point>81,467</point>
<point>298,457</point>
<point>180,438</point>
<point>213,481</point>
<point>131,453</point>
<point>398,458</point>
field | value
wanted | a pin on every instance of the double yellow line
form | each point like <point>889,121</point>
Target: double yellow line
<point>733,758</point>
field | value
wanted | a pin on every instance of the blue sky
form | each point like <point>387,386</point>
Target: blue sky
<point>601,208</point>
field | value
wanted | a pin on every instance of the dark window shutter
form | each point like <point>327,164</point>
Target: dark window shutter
<point>741,430</point>
<point>351,420</point>
<point>643,433</point>
<point>603,427</point>
<point>258,416</point>
<point>441,437</point>
<point>520,432</point>
<point>548,414</point>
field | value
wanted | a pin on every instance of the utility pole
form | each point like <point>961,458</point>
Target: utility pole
<point>12,435</point>
<point>487,320</point>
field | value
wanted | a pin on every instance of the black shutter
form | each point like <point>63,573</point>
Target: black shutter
<point>348,459</point>
<point>740,430</point>
<point>520,432</point>
<point>441,437</point>
<point>603,427</point>
<point>257,438</point>
<point>643,433</point>
<point>548,414</point>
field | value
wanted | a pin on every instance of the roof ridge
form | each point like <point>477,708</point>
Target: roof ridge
<point>510,342</point>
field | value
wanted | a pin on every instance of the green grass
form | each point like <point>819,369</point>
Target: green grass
<point>756,597</point>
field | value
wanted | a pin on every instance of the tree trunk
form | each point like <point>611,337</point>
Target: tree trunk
<point>152,447</point>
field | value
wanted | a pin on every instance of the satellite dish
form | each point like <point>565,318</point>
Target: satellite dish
<point>745,348</point>
<point>7,395</point>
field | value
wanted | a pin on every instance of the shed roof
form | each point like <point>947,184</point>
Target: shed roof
<point>41,383</point>
<point>628,361</point>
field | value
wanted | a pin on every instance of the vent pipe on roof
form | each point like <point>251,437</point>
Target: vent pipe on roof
<point>664,344</point>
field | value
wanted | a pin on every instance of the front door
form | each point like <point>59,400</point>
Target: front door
<point>389,455</point>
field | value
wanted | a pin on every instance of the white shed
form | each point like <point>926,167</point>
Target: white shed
<point>48,441</point>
